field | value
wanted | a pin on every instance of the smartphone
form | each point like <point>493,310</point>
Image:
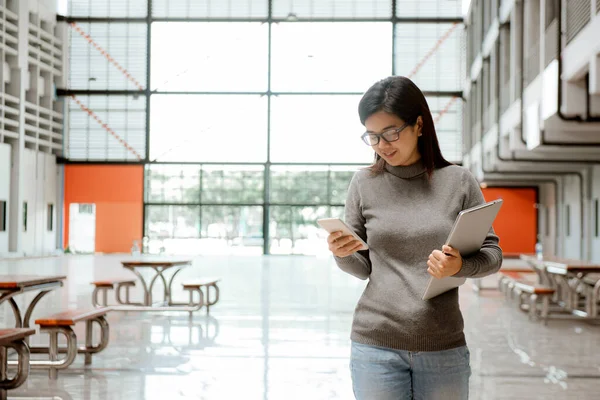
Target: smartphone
<point>335,224</point>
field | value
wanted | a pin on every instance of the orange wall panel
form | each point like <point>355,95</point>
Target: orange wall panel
<point>117,226</point>
<point>104,183</point>
<point>118,192</point>
<point>516,223</point>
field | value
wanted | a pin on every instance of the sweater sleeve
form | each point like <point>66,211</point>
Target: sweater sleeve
<point>357,264</point>
<point>489,258</point>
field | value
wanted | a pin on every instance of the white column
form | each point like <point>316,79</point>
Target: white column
<point>516,42</point>
<point>5,192</point>
<point>594,75</point>
<point>17,182</point>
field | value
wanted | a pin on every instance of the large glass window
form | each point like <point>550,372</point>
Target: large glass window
<point>204,229</point>
<point>107,8</point>
<point>204,208</point>
<point>236,62</point>
<point>164,221</point>
<point>339,179</point>
<point>108,55</point>
<point>432,55</point>
<point>309,184</point>
<point>173,184</point>
<point>220,207</point>
<point>206,184</point>
<point>208,128</point>
<point>330,57</point>
<point>235,226</point>
<point>107,128</point>
<point>332,8</point>
<point>447,115</point>
<point>209,9</point>
<point>249,129</point>
<point>233,184</point>
<point>299,185</point>
<point>293,229</point>
<point>299,196</point>
<point>317,128</point>
<point>429,8</point>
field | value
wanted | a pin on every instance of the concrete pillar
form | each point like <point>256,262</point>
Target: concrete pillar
<point>516,43</point>
<point>17,181</point>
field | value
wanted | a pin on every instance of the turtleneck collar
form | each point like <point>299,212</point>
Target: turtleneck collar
<point>407,171</point>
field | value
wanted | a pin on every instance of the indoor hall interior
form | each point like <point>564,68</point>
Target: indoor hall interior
<point>281,331</point>
<point>163,164</point>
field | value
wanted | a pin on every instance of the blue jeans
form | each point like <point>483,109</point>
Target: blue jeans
<point>386,374</point>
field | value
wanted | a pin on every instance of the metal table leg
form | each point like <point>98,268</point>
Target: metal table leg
<point>159,273</point>
<point>32,305</point>
<point>147,299</point>
<point>168,303</point>
<point>594,298</point>
<point>16,312</point>
<point>171,285</point>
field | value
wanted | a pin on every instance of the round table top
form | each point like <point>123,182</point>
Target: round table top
<point>21,281</point>
<point>156,262</point>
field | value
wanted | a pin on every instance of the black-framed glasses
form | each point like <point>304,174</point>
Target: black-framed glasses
<point>391,135</point>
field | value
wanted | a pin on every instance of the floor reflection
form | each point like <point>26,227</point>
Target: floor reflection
<point>281,331</point>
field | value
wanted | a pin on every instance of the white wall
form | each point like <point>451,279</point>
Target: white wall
<point>29,196</point>
<point>45,8</point>
<point>32,176</point>
<point>4,191</point>
<point>571,244</point>
<point>60,208</point>
<point>40,189</point>
<point>569,194</point>
<point>40,208</point>
<point>594,217</point>
<point>50,197</point>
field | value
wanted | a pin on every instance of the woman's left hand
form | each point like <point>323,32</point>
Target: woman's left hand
<point>444,263</point>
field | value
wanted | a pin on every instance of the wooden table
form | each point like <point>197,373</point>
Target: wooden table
<point>12,285</point>
<point>538,266</point>
<point>510,263</point>
<point>567,275</point>
<point>570,275</point>
<point>159,265</point>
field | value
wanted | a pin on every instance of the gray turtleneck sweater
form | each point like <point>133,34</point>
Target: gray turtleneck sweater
<point>403,217</point>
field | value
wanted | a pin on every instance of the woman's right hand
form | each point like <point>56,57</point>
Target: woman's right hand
<point>342,246</point>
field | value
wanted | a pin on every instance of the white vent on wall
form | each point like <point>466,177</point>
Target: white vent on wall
<point>6,72</point>
<point>41,86</point>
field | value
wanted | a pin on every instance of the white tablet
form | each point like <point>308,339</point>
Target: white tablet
<point>335,224</point>
<point>467,235</point>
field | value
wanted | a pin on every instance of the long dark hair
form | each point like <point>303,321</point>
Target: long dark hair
<point>399,95</point>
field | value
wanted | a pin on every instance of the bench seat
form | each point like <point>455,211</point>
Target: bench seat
<point>71,317</point>
<point>112,283</point>
<point>528,287</point>
<point>198,285</point>
<point>508,278</point>
<point>14,338</point>
<point>525,284</point>
<point>104,285</point>
<point>518,274</point>
<point>62,322</point>
<point>10,335</point>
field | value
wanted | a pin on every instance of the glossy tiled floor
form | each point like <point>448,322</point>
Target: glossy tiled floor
<point>281,331</point>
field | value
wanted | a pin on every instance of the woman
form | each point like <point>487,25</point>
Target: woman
<point>404,206</point>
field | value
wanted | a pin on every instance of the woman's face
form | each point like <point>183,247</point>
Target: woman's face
<point>402,151</point>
